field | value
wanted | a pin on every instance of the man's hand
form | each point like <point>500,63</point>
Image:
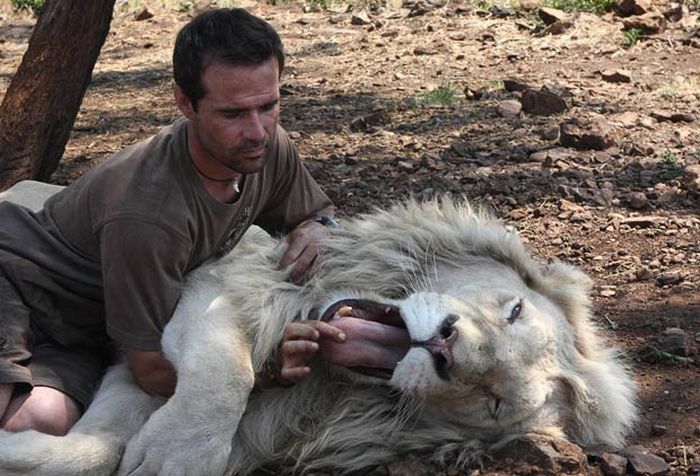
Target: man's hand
<point>152,371</point>
<point>300,345</point>
<point>302,247</point>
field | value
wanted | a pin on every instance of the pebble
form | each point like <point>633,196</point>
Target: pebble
<point>542,103</point>
<point>509,108</point>
<point>613,464</point>
<point>641,461</point>
<point>616,76</point>
<point>638,200</point>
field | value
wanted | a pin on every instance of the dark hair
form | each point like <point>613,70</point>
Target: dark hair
<point>229,35</point>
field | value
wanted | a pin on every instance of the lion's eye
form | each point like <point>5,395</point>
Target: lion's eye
<point>515,310</point>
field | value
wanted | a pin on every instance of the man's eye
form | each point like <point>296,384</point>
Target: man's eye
<point>515,311</point>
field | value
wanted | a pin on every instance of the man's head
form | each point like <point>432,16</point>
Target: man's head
<point>227,68</point>
<point>226,35</point>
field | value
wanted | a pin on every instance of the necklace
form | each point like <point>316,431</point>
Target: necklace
<point>234,180</point>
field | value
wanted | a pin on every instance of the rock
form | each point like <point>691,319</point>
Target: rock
<point>553,455</point>
<point>604,197</point>
<point>360,18</point>
<point>658,430</point>
<point>551,15</point>
<point>557,28</point>
<point>512,85</point>
<point>670,278</point>
<point>613,464</point>
<point>568,206</point>
<point>509,108</point>
<point>337,19</point>
<point>542,103</point>
<point>677,342</point>
<point>632,7</point>
<point>642,462</point>
<point>143,14</point>
<point>638,200</point>
<point>616,76</point>
<point>643,275</point>
<point>201,6</point>
<point>675,12</point>
<point>650,23</point>
<point>406,165</point>
<point>625,119</point>
<point>550,156</point>
<point>661,115</point>
<point>432,162</point>
<point>597,135</point>
<point>557,89</point>
<point>423,51</point>
<point>642,221</point>
<point>691,178</point>
<point>372,119</point>
<point>682,117</point>
<point>551,133</point>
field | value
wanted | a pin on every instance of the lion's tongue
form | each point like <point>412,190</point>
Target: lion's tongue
<point>367,344</point>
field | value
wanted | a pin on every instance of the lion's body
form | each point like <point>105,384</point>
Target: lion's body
<point>546,371</point>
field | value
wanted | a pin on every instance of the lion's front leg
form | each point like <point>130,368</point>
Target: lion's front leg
<point>193,432</point>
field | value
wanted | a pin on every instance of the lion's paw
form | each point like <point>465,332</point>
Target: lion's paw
<point>169,446</point>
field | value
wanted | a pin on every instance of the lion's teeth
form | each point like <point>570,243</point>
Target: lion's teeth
<point>344,311</point>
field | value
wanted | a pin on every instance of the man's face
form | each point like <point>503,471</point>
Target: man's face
<point>235,120</point>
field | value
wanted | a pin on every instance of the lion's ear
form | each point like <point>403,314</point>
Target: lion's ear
<point>570,288</point>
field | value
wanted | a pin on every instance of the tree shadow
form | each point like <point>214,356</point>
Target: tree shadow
<point>106,82</point>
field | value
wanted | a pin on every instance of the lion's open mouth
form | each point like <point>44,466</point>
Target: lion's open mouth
<point>377,338</point>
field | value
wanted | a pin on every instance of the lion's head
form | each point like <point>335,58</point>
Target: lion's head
<point>444,303</point>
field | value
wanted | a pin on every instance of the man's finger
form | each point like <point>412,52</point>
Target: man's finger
<point>295,347</point>
<point>328,331</point>
<point>295,374</point>
<point>301,331</point>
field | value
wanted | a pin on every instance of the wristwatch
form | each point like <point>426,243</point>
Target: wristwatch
<point>326,220</point>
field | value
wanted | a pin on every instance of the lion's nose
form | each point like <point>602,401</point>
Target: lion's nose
<point>440,346</point>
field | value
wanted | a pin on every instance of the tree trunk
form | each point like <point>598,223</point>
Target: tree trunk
<point>42,102</point>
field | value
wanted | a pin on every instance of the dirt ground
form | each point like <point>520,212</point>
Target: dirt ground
<point>359,98</point>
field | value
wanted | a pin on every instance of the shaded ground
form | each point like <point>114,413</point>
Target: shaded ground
<point>359,102</point>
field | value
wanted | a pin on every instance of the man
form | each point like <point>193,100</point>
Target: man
<point>104,261</point>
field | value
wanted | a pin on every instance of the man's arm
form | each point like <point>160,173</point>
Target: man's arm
<point>152,371</point>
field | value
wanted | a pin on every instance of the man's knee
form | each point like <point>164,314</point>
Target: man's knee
<point>50,412</point>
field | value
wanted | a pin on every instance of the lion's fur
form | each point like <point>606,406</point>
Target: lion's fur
<point>413,252</point>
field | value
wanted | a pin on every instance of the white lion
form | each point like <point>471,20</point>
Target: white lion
<point>491,344</point>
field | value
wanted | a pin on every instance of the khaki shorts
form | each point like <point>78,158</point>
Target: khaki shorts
<point>29,357</point>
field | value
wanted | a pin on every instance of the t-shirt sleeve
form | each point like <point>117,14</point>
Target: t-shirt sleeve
<point>294,194</point>
<point>143,267</point>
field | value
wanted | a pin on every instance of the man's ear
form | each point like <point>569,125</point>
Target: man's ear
<point>184,103</point>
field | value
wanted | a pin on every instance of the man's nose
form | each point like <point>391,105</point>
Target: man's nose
<point>253,128</point>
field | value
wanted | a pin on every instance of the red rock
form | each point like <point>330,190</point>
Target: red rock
<point>552,15</point>
<point>542,103</point>
<point>616,76</point>
<point>649,23</point>
<point>613,464</point>
<point>633,7</point>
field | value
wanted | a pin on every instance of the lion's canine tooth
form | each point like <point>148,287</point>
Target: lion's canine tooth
<point>344,311</point>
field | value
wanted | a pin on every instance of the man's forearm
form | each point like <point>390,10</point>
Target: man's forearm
<point>152,371</point>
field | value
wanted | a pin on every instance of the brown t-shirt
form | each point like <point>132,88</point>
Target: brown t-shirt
<point>108,254</point>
